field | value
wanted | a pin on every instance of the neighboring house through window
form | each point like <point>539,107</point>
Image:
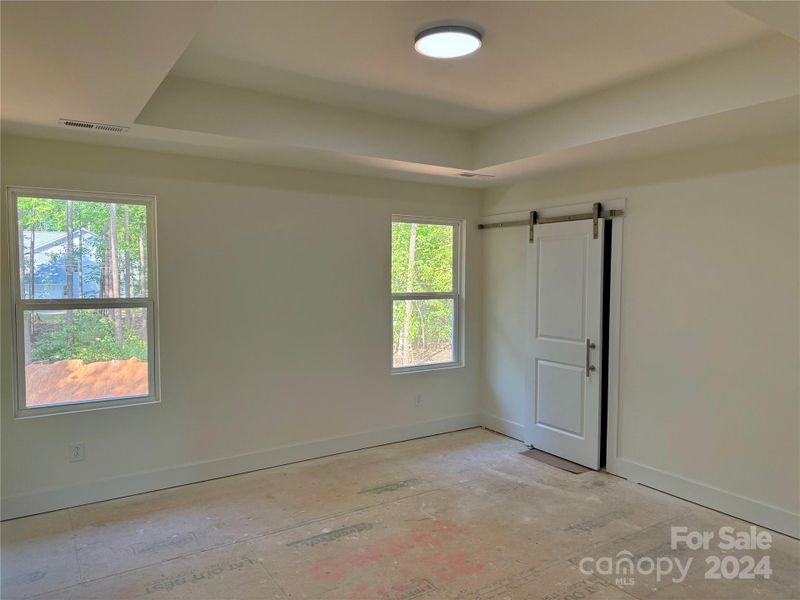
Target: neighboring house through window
<point>50,250</point>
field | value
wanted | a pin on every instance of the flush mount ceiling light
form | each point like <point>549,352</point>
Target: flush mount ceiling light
<point>448,41</point>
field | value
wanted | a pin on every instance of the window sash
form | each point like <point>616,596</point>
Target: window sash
<point>107,198</point>
<point>83,405</point>
<point>20,304</point>
<point>455,294</point>
<point>456,267</point>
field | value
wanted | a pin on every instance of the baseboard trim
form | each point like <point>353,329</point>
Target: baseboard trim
<point>106,489</point>
<point>504,426</point>
<point>736,505</point>
<point>40,501</point>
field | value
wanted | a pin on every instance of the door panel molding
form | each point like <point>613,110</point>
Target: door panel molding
<point>578,411</point>
<point>543,307</point>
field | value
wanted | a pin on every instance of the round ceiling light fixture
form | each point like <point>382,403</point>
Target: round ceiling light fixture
<point>447,41</point>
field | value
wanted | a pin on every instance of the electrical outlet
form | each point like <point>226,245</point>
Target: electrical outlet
<point>77,452</point>
<point>418,400</point>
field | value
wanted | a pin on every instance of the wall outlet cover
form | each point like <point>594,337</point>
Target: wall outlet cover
<point>77,452</point>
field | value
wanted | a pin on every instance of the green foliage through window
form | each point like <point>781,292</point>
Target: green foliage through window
<point>427,264</point>
<point>423,263</point>
<point>89,337</point>
<point>83,274</point>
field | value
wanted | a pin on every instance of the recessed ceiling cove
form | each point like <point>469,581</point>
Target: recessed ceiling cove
<point>361,54</point>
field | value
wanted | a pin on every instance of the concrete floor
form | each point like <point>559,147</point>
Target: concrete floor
<point>458,516</point>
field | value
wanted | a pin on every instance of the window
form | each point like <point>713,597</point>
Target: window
<point>84,300</point>
<point>426,293</point>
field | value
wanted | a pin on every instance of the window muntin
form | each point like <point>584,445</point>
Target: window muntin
<point>425,281</point>
<point>84,300</point>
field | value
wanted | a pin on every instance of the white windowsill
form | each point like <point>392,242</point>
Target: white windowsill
<point>86,406</point>
<point>432,367</point>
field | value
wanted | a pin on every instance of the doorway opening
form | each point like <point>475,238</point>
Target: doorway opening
<point>609,224</point>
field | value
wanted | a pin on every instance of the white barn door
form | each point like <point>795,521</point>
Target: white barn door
<point>565,300</point>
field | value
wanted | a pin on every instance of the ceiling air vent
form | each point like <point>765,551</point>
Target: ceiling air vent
<point>95,126</point>
<point>468,175</point>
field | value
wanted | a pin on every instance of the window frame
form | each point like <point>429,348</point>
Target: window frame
<point>456,294</point>
<point>19,304</point>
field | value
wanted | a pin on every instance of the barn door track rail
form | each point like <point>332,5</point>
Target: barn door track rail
<point>535,219</point>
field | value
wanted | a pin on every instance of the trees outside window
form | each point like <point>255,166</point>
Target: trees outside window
<point>426,295</point>
<point>84,304</point>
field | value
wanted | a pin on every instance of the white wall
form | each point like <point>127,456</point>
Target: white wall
<point>256,371</point>
<point>274,320</point>
<point>710,333</point>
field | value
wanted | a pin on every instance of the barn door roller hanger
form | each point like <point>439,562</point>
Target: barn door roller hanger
<point>535,219</point>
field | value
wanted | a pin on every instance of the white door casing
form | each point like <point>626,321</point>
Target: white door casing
<point>565,302</point>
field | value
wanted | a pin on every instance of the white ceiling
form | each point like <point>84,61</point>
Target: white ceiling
<point>95,61</point>
<point>748,124</point>
<point>337,86</point>
<point>360,54</point>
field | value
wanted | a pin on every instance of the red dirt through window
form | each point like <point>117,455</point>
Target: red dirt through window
<point>75,381</point>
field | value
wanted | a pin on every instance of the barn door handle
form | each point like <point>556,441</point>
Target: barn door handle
<point>590,345</point>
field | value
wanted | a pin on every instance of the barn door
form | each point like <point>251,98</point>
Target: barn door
<point>565,291</point>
